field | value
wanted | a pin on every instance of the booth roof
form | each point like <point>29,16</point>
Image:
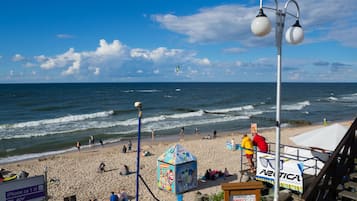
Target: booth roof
<point>327,137</point>
<point>176,154</point>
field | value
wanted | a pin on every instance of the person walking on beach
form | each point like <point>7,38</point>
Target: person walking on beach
<point>214,134</point>
<point>124,149</point>
<point>78,145</point>
<point>101,142</point>
<point>247,145</point>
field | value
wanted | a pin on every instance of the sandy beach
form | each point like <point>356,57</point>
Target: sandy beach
<point>75,173</point>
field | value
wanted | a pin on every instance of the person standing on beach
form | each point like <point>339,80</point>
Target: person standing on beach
<point>182,133</point>
<point>129,145</point>
<point>197,131</point>
<point>152,136</point>
<point>114,197</point>
<point>214,134</point>
<point>247,145</point>
<point>78,145</point>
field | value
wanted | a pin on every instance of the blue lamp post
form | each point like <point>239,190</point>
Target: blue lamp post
<point>261,26</point>
<point>138,105</point>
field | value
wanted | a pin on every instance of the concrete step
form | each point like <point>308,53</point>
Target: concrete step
<point>353,175</point>
<point>351,184</point>
<point>347,194</point>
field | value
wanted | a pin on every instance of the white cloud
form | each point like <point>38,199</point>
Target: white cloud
<point>72,60</point>
<point>221,23</point>
<point>202,62</point>
<point>17,57</point>
<point>234,50</point>
<point>156,71</point>
<point>96,71</point>
<point>106,49</point>
<point>157,54</point>
<point>232,23</point>
<point>64,36</point>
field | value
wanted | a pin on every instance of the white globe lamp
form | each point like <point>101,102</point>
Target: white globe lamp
<point>261,25</point>
<point>295,34</point>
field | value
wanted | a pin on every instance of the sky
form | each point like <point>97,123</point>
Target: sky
<point>58,41</point>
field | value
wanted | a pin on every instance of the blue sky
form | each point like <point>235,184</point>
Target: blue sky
<point>145,40</point>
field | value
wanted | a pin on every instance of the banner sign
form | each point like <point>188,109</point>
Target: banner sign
<point>28,189</point>
<point>291,171</point>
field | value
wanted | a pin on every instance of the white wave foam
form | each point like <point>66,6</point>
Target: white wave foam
<point>66,119</point>
<point>349,97</point>
<point>331,98</point>
<point>185,115</point>
<point>296,106</point>
<point>30,156</point>
<point>141,91</point>
<point>178,124</point>
<point>148,90</point>
<point>234,109</point>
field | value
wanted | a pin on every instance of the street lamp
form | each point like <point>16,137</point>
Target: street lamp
<point>261,26</point>
<point>138,105</point>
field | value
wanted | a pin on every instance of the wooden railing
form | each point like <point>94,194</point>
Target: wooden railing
<point>335,170</point>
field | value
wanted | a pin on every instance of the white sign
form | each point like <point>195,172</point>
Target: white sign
<point>291,171</point>
<point>243,198</point>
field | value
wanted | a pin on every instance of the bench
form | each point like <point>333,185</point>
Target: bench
<point>348,194</point>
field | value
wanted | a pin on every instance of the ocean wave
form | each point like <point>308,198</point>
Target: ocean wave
<point>65,119</point>
<point>30,156</point>
<point>52,129</point>
<point>349,98</point>
<point>296,106</point>
<point>227,110</point>
<point>141,91</point>
<point>178,124</point>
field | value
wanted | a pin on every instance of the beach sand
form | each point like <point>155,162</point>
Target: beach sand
<point>75,173</point>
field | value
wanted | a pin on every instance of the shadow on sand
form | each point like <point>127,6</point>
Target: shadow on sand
<point>217,182</point>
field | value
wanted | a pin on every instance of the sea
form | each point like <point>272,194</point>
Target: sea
<point>43,119</point>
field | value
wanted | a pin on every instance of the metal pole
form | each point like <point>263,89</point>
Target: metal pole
<point>280,17</point>
<point>46,184</point>
<point>138,155</point>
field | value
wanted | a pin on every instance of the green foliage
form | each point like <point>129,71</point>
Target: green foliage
<point>217,197</point>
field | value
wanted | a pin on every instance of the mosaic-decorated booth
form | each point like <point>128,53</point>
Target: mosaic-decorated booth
<point>177,170</point>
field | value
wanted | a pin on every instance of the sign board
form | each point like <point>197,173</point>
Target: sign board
<point>291,171</point>
<point>242,191</point>
<point>28,189</point>
<point>253,128</point>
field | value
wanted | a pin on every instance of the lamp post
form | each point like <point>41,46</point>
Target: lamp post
<point>261,26</point>
<point>138,105</point>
